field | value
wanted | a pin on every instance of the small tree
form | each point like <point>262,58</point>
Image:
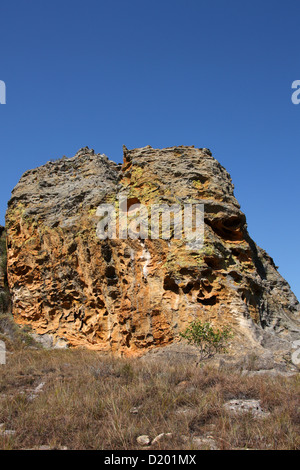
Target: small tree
<point>208,340</point>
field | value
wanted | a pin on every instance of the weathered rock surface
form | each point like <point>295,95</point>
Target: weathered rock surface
<point>246,406</point>
<point>130,295</point>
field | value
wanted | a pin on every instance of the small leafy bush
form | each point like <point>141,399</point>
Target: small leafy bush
<point>207,339</point>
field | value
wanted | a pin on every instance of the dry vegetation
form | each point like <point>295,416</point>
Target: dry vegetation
<point>78,399</point>
<point>4,292</point>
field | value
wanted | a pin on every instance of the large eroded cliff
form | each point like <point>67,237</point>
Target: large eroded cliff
<point>130,295</point>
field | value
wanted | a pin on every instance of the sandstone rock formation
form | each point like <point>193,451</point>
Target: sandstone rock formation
<point>131,295</point>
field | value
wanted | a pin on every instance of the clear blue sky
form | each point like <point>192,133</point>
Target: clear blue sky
<point>213,73</point>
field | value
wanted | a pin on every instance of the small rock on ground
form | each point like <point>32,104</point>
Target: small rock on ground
<point>143,440</point>
<point>246,406</point>
<point>161,436</point>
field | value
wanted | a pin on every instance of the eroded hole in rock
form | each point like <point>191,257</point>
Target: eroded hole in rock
<point>207,300</point>
<point>106,252</point>
<point>206,285</point>
<point>111,276</point>
<point>187,272</point>
<point>72,248</point>
<point>228,229</point>
<point>127,340</point>
<point>126,253</point>
<point>198,178</point>
<point>232,223</point>
<point>196,285</point>
<point>96,303</point>
<point>78,315</point>
<point>242,255</point>
<point>186,289</point>
<point>249,299</point>
<point>114,294</point>
<point>170,284</point>
<point>22,270</point>
<point>213,262</point>
<point>235,276</point>
<point>131,202</point>
<point>110,272</point>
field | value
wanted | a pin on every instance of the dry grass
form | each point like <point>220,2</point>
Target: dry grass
<point>89,401</point>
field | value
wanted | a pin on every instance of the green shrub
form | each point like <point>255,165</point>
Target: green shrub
<point>208,340</point>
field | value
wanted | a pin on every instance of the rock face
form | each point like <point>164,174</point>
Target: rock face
<point>131,295</point>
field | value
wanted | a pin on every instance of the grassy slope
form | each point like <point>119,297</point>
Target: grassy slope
<point>88,401</point>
